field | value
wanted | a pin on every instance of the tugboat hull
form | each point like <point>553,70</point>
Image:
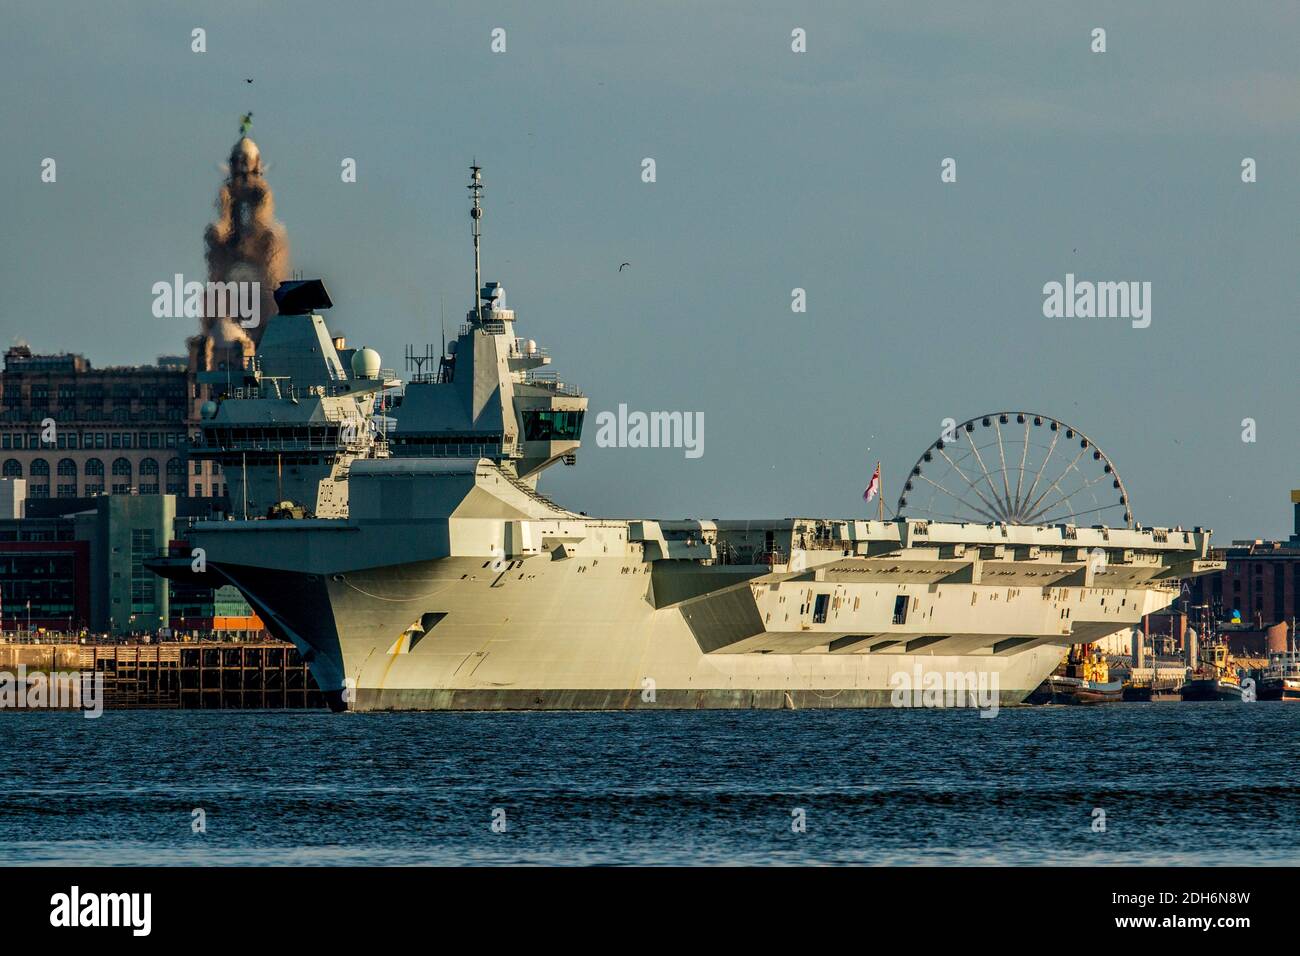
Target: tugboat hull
<point>1279,689</point>
<point>1209,688</point>
<point>1072,690</point>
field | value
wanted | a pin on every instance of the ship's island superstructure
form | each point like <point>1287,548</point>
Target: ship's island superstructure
<point>408,555</point>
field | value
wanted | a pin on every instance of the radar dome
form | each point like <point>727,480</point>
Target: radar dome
<point>365,363</point>
<point>208,409</point>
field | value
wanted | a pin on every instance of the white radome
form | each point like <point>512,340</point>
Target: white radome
<point>365,363</point>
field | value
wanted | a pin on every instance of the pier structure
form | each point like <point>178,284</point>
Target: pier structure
<point>213,675</point>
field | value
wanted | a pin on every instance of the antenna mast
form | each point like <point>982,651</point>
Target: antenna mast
<point>476,214</point>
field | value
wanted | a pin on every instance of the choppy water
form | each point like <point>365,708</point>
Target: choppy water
<point>1212,783</point>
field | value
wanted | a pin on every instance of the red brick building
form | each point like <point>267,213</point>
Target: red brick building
<point>73,431</point>
<point>1261,583</point>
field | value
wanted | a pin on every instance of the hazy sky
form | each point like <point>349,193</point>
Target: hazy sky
<point>775,170</point>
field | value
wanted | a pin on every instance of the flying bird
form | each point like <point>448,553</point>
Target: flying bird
<point>247,80</point>
<point>620,268</point>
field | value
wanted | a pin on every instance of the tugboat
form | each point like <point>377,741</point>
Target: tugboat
<point>1218,680</point>
<point>1281,678</point>
<point>1084,678</point>
<point>1152,686</point>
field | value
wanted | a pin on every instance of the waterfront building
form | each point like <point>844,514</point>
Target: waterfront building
<point>78,564</point>
<point>72,430</point>
<point>1259,587</point>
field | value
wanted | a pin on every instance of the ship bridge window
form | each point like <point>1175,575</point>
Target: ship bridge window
<point>550,425</point>
<point>819,608</point>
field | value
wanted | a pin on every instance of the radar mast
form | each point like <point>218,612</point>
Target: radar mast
<point>476,215</point>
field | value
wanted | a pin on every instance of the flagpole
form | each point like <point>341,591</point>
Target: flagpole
<point>880,492</point>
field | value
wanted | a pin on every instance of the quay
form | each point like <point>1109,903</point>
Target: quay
<point>174,675</point>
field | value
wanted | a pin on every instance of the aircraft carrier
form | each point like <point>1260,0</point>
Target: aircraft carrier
<point>408,554</point>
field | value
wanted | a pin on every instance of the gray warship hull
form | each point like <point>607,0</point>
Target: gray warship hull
<point>558,638</point>
<point>450,586</point>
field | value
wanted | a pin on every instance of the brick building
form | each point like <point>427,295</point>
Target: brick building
<point>73,431</point>
<point>1261,582</point>
<point>73,563</point>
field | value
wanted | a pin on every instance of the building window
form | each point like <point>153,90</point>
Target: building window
<point>198,467</point>
<point>198,490</point>
<point>40,468</point>
<point>143,581</point>
<point>121,476</point>
<point>175,476</point>
<point>149,476</point>
<point>13,468</point>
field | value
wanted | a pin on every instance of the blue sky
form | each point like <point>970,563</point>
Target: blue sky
<point>775,170</point>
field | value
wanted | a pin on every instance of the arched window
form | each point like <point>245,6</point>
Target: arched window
<point>94,477</point>
<point>175,476</point>
<point>40,478</point>
<point>13,468</point>
<point>67,482</point>
<point>121,476</point>
<point>149,476</point>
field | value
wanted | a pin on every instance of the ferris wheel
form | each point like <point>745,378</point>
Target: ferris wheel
<point>1018,468</point>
